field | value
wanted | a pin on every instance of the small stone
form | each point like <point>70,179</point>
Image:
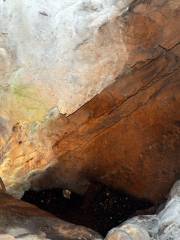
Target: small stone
<point>67,194</point>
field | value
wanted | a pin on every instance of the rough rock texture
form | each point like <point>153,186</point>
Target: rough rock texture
<point>61,54</point>
<point>128,136</point>
<point>20,220</point>
<point>57,53</point>
<point>163,226</point>
<point>129,141</point>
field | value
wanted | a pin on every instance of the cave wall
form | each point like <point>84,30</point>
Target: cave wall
<point>57,54</point>
<point>127,136</point>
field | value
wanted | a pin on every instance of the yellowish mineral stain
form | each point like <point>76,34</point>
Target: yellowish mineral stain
<point>23,101</point>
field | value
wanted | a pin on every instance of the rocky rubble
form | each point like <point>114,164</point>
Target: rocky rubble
<point>163,226</point>
<point>23,221</point>
<point>20,220</point>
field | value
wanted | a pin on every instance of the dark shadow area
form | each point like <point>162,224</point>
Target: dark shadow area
<point>100,209</point>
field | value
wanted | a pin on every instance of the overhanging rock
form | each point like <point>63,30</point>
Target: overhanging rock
<point>127,136</point>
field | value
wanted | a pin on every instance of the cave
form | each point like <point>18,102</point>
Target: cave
<point>100,208</point>
<point>89,119</point>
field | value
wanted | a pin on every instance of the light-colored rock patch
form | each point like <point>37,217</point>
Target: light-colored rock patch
<point>57,53</point>
<point>163,226</point>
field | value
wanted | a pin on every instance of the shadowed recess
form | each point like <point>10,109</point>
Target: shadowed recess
<point>100,209</point>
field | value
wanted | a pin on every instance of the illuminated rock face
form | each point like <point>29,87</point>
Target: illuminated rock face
<point>53,61</point>
<point>57,53</point>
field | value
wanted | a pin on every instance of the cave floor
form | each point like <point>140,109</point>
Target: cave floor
<point>100,209</point>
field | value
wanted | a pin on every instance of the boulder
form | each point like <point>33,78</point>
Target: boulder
<point>20,220</point>
<point>163,226</point>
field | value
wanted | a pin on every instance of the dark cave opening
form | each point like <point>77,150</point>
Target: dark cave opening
<point>100,209</point>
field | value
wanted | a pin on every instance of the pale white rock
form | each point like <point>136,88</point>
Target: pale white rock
<point>163,226</point>
<point>6,237</point>
<point>175,191</point>
<point>57,53</point>
<point>128,232</point>
<point>170,217</point>
<point>150,223</point>
<point>117,234</point>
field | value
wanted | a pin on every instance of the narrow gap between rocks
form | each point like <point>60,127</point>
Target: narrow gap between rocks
<point>100,209</point>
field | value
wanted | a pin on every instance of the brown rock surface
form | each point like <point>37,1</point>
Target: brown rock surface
<point>25,221</point>
<point>128,136</point>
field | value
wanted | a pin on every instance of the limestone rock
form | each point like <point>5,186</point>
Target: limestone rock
<point>134,147</point>
<point>128,135</point>
<point>163,226</point>
<point>57,54</point>
<point>128,232</point>
<point>61,54</point>
<point>20,220</point>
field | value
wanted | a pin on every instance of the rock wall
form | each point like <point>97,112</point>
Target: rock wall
<point>127,136</point>
<point>61,54</point>
<point>57,54</point>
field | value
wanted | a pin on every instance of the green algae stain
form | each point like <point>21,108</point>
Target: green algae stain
<point>27,100</point>
<point>21,100</point>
